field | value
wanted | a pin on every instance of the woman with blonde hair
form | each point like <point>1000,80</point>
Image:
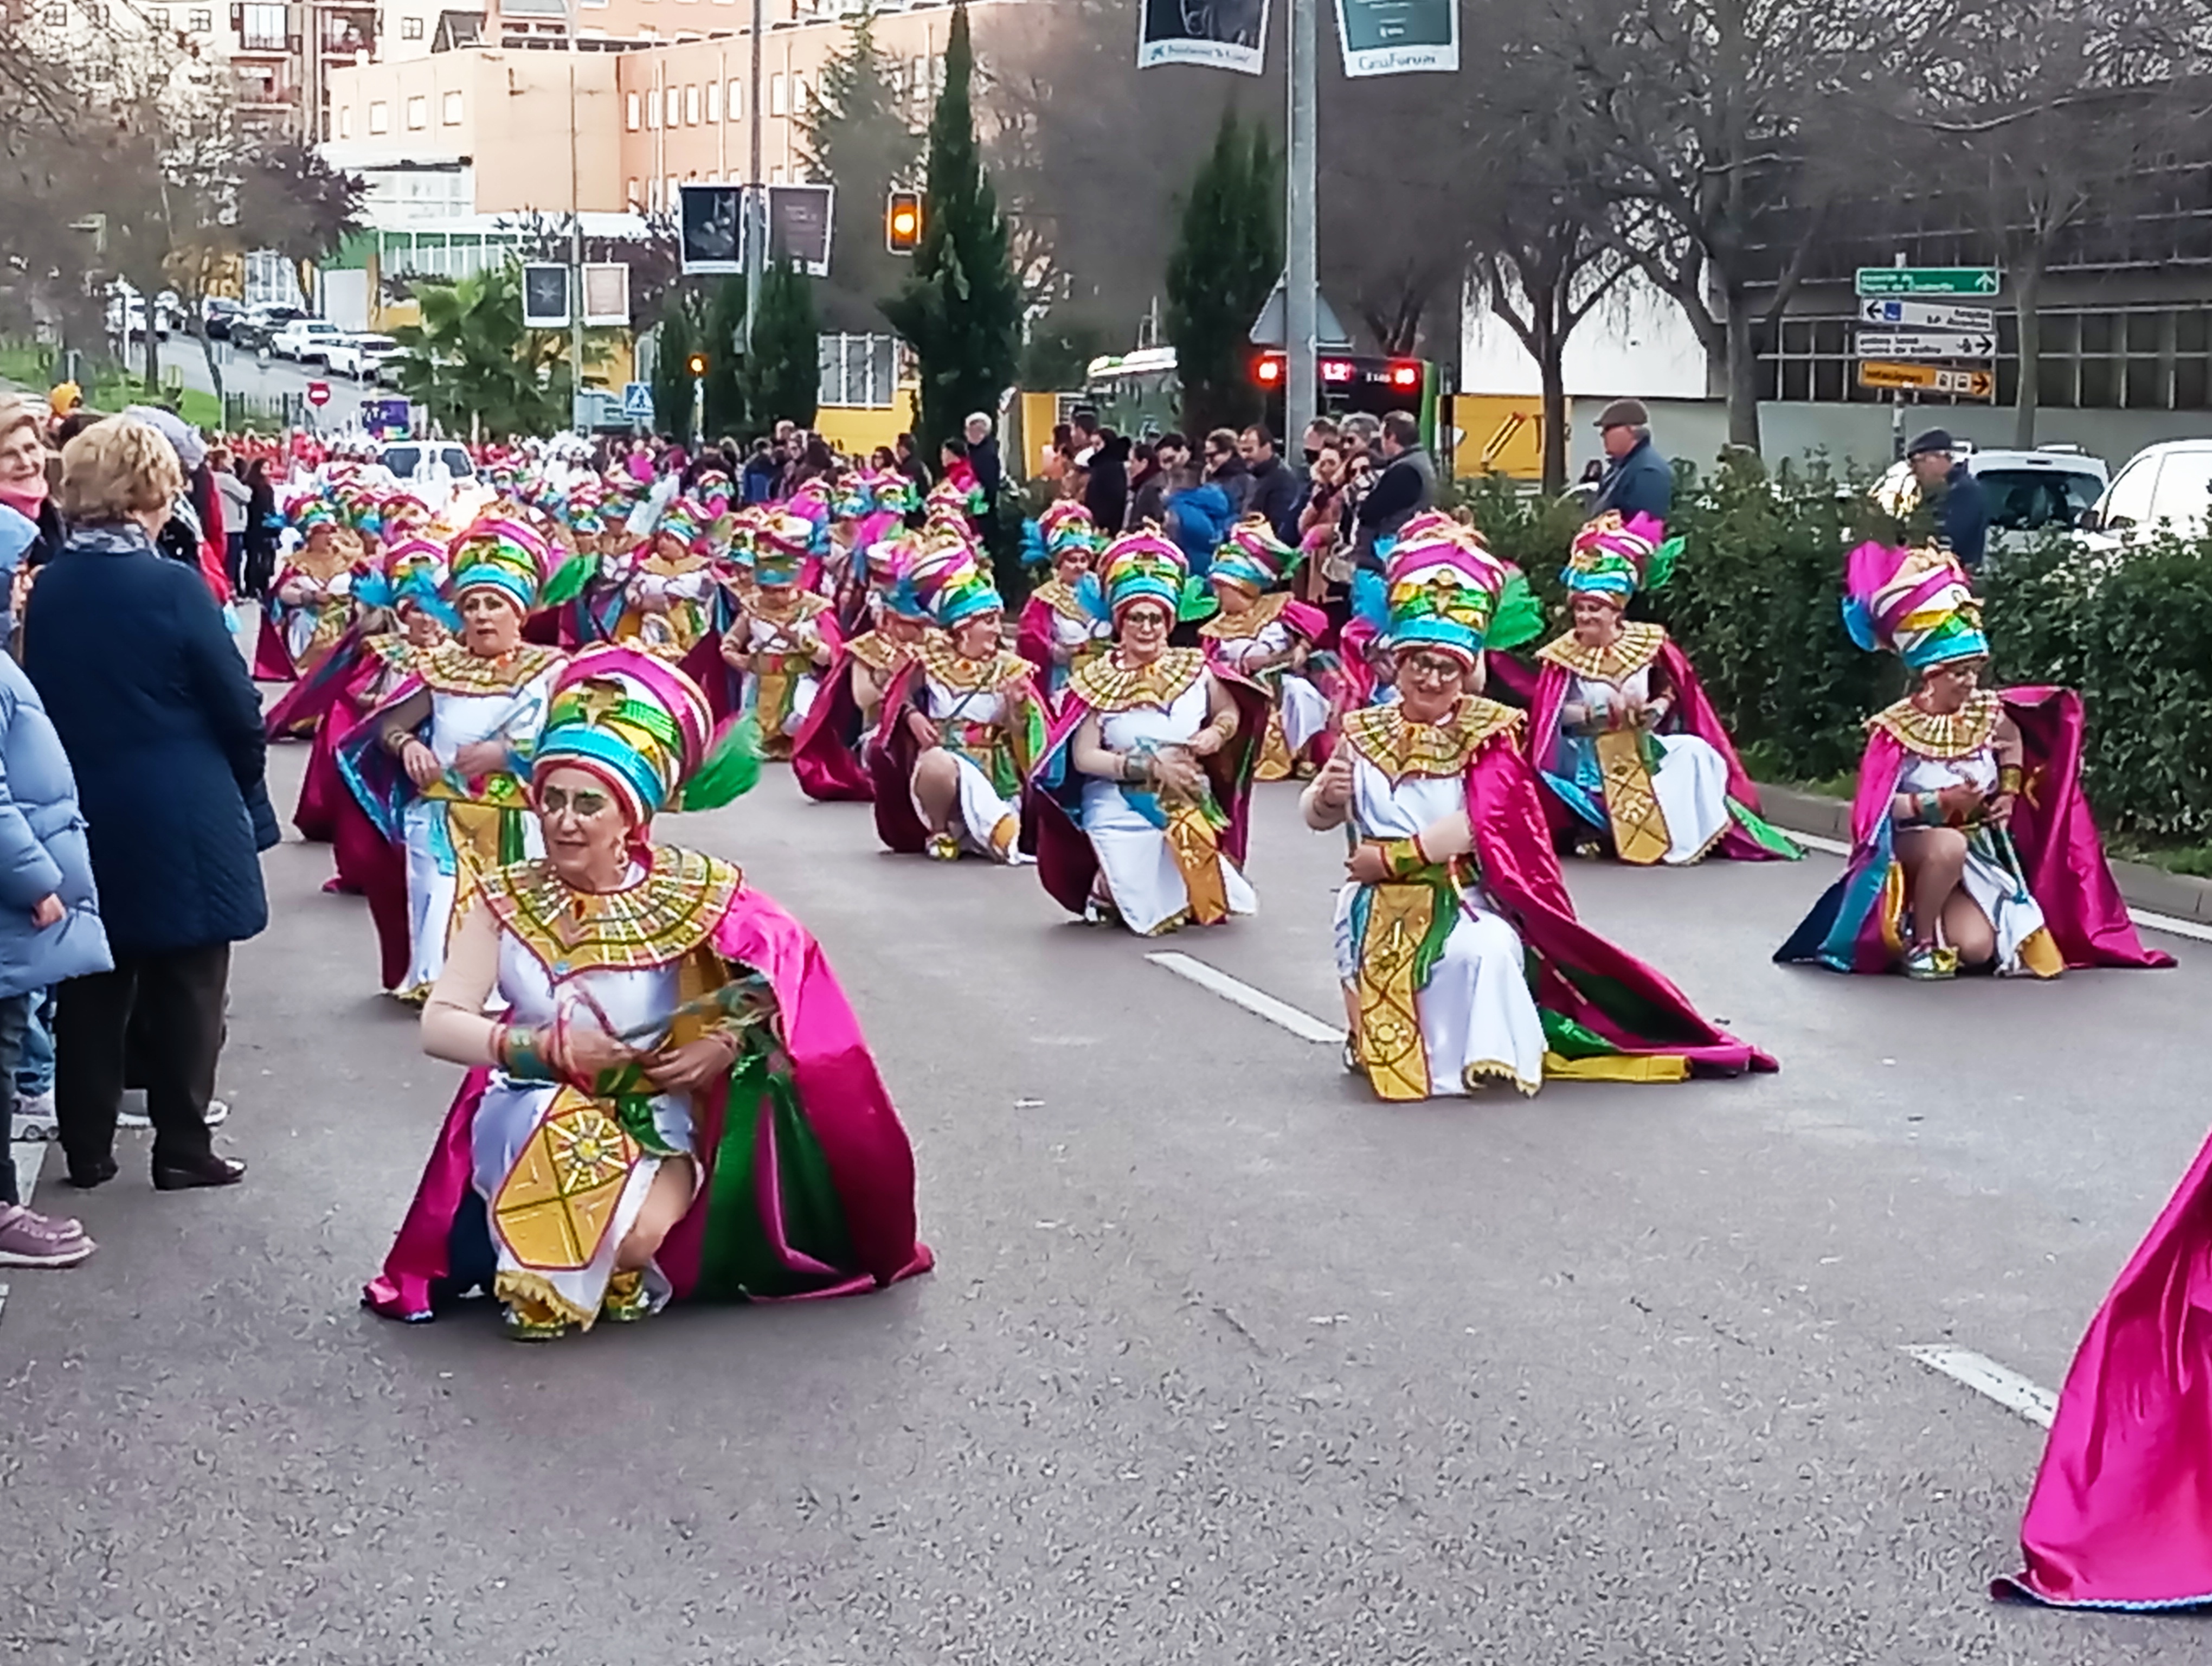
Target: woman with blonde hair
<point>161,725</point>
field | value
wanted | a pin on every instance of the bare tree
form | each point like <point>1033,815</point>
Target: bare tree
<point>2051,117</point>
<point>1714,118</point>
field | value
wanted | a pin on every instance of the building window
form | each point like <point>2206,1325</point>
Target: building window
<point>918,84</point>
<point>410,28</point>
<point>630,115</point>
<point>674,112</point>
<point>345,121</point>
<point>737,100</point>
<point>776,95</point>
<point>859,371</point>
<point>450,110</point>
<point>199,22</point>
<point>632,194</point>
<point>380,116</point>
<point>673,194</point>
<point>713,103</point>
<point>418,114</point>
<point>261,28</point>
<point>691,106</point>
<point>651,112</point>
<point>56,17</point>
<point>157,19</point>
<point>797,94</point>
<point>653,192</point>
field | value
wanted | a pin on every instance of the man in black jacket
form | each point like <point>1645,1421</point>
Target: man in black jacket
<point>1275,489</point>
<point>1407,486</point>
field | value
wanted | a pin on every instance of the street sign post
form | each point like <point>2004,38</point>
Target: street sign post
<point>1929,379</point>
<point>1924,344</point>
<point>1925,315</point>
<point>319,394</point>
<point>1928,280</point>
<point>637,403</point>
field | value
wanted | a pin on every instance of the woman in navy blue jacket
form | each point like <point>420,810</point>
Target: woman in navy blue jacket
<point>160,722</point>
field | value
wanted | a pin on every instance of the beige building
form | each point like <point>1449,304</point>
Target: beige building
<point>662,95</point>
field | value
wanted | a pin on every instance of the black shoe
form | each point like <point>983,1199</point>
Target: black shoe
<point>208,1170</point>
<point>84,1177</point>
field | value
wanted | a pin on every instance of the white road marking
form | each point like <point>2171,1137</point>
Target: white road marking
<point>1986,1376</point>
<point>1826,846</point>
<point>1303,1025</point>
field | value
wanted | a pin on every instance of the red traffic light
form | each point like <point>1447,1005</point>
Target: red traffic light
<point>902,223</point>
<point>1406,374</point>
<point>1269,371</point>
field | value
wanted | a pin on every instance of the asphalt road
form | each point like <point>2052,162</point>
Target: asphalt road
<point>1223,1362</point>
<point>242,374</point>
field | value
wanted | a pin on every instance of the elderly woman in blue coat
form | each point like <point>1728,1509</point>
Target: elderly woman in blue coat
<point>162,727</point>
<point>50,926</point>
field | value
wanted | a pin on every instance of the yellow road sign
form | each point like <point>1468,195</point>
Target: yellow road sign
<point>1929,379</point>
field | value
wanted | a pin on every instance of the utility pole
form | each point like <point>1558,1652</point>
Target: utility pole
<point>756,204</point>
<point>575,249</point>
<point>1897,394</point>
<point>1301,371</point>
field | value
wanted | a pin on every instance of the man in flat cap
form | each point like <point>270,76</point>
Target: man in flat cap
<point>1952,496</point>
<point>1637,480</point>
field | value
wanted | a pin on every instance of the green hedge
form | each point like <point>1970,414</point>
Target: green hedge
<point>1755,602</point>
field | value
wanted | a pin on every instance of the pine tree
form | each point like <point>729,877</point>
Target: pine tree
<point>961,311</point>
<point>1227,258</point>
<point>856,137</point>
<point>728,410</point>
<point>783,377</point>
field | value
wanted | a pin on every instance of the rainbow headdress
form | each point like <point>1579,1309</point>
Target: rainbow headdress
<point>402,512</point>
<point>711,489</point>
<point>1447,592</point>
<point>587,507</point>
<point>853,497</point>
<point>1143,567</point>
<point>891,572</point>
<point>1917,603</point>
<point>1615,558</point>
<point>643,727</point>
<point>502,554</point>
<point>313,512</point>
<point>894,493</point>
<point>1252,557</point>
<point>780,543</point>
<point>1065,526</point>
<point>685,522</point>
<point>950,582</point>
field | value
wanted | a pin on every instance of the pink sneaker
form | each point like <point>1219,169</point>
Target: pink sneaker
<point>29,1239</point>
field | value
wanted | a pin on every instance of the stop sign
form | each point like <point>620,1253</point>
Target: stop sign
<point>319,393</point>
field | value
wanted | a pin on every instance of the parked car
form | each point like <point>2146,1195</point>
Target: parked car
<point>306,339</point>
<point>360,356</point>
<point>412,460</point>
<point>126,314</point>
<point>219,313</point>
<point>2031,494</point>
<point>2166,487</point>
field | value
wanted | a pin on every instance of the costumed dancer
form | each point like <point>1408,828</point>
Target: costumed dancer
<point>1971,844</point>
<point>440,768</point>
<point>784,635</point>
<point>829,758</point>
<point>962,721</point>
<point>669,584</point>
<point>1260,635</point>
<point>676,1102</point>
<point>1462,960</point>
<point>311,599</point>
<point>1625,739</point>
<point>1063,623</point>
<point>1146,778</point>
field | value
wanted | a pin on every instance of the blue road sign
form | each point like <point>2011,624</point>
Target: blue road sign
<point>637,401</point>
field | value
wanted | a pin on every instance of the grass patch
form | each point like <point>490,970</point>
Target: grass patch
<point>1761,766</point>
<point>2194,861</point>
<point>31,365</point>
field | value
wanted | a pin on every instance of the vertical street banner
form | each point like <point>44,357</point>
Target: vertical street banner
<point>1398,37</point>
<point>1220,34</point>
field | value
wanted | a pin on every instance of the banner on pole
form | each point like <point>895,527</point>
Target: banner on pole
<point>1398,37</point>
<point>708,227</point>
<point>1220,34</point>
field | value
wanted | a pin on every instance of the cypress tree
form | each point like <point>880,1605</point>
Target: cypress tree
<point>673,343</point>
<point>728,411</point>
<point>857,137</point>
<point>783,378</point>
<point>1227,258</point>
<point>960,310</point>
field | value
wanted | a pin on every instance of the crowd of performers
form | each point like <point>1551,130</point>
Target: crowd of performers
<point>668,1096</point>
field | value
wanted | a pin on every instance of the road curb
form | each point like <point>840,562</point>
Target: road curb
<point>2152,888</point>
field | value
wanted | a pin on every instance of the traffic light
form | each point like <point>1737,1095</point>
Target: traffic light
<point>902,223</point>
<point>697,364</point>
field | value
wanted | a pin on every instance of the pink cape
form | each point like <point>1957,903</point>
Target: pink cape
<point>1579,975</point>
<point>843,1100</point>
<point>1033,638</point>
<point>1693,714</point>
<point>826,754</point>
<point>2121,1516</point>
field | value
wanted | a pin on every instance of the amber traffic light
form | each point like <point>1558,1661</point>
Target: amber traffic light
<point>902,223</point>
<point>697,364</point>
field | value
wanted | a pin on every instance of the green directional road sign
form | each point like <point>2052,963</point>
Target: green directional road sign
<point>1927,279</point>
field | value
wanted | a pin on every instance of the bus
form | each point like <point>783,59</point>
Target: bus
<point>1139,394</point>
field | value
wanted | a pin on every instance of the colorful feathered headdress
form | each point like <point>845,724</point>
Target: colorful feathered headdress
<point>1615,558</point>
<point>1916,603</point>
<point>1446,591</point>
<point>1140,567</point>
<point>645,729</point>
<point>504,555</point>
<point>1252,557</point>
<point>949,579</point>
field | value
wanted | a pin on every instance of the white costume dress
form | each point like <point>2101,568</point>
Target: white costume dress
<point>968,701</point>
<point>2003,898</point>
<point>1478,1019</point>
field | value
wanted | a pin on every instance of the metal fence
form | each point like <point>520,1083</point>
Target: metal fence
<point>256,413</point>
